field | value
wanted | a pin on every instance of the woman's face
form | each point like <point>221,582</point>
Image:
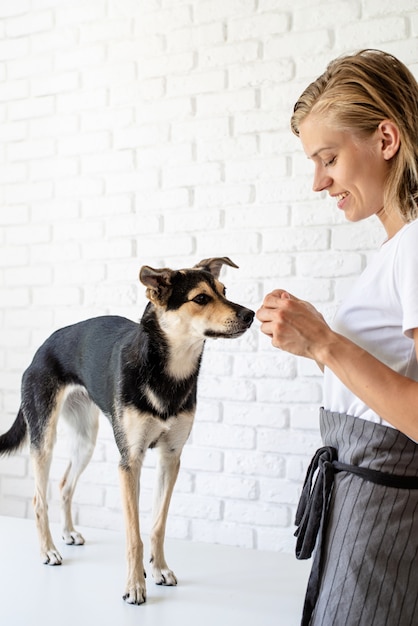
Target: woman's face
<point>352,170</point>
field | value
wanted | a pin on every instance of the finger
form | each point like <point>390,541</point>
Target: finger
<point>272,300</point>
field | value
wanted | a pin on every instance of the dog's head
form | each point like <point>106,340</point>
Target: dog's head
<point>193,300</point>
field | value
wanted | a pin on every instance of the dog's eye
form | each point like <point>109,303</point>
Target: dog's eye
<point>202,299</point>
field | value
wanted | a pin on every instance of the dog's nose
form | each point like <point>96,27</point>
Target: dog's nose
<point>246,316</point>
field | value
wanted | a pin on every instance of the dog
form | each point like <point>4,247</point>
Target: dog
<point>143,378</point>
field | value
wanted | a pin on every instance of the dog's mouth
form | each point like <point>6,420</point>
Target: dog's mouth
<point>213,334</point>
<point>234,330</point>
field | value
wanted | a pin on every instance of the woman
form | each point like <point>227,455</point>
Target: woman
<point>358,123</point>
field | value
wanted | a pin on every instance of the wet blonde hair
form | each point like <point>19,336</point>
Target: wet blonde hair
<point>357,92</point>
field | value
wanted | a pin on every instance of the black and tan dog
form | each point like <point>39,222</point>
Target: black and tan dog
<point>143,377</point>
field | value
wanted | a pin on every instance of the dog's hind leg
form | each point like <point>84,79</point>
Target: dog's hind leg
<point>41,456</point>
<point>81,415</point>
<point>41,462</point>
<point>169,449</point>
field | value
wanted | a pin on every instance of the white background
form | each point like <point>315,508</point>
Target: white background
<point>157,132</point>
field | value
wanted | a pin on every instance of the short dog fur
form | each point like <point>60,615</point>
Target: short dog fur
<point>143,377</point>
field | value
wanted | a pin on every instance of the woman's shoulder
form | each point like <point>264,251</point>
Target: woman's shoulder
<point>407,236</point>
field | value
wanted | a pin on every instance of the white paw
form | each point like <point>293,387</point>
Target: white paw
<point>51,557</point>
<point>73,538</point>
<point>164,576</point>
<point>136,593</point>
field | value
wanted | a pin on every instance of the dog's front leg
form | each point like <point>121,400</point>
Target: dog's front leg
<point>167,472</point>
<point>135,586</point>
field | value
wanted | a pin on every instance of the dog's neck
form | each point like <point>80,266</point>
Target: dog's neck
<point>184,357</point>
<point>185,345</point>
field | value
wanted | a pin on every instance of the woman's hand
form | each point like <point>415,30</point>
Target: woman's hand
<point>293,325</point>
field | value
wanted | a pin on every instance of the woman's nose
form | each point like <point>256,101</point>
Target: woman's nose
<point>321,180</point>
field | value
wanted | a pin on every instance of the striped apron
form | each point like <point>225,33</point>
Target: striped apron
<point>359,507</point>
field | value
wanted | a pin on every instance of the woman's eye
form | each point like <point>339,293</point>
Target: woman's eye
<point>202,299</point>
<point>330,162</point>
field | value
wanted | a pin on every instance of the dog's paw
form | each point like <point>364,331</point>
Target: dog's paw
<point>136,594</point>
<point>51,557</point>
<point>164,576</point>
<point>73,538</point>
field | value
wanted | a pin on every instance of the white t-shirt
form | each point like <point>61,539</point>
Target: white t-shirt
<point>379,315</point>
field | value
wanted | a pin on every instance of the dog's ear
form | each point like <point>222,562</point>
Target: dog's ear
<point>214,265</point>
<point>157,282</point>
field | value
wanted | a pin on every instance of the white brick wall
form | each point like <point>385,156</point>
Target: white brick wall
<point>157,132</point>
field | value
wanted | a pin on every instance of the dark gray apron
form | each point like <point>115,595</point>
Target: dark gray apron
<point>359,507</point>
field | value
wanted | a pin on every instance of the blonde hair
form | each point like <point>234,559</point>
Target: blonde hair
<point>359,91</point>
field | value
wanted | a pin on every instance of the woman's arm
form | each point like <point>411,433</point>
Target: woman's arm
<point>296,327</point>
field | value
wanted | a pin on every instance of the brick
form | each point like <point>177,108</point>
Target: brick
<point>227,149</point>
<point>32,234</point>
<point>288,391</point>
<point>222,435</point>
<point>278,491</point>
<point>315,42</point>
<point>32,108</point>
<point>193,506</point>
<point>232,244</point>
<point>141,135</point>
<point>255,169</point>
<point>296,443</point>
<point>58,83</point>
<point>264,364</point>
<point>195,37</point>
<point>196,82</point>
<point>32,149</point>
<point>260,73</point>
<point>13,48</point>
<point>63,296</point>
<point>168,65</point>
<point>34,22</point>
<point>78,186</point>
<point>19,215</point>
<point>164,20</point>
<point>12,131</point>
<point>212,10</point>
<point>384,29</point>
<point>327,264</point>
<point>291,239</point>
<point>230,534</point>
<point>14,466</point>
<point>14,90</point>
<point>228,54</point>
<point>187,175</point>
<point>224,486</point>
<point>29,192</point>
<point>257,513</point>
<point>18,7</point>
<point>190,221</point>
<point>226,102</point>
<point>13,173</point>
<point>254,464</point>
<point>255,414</point>
<point>97,30</point>
<point>222,195</point>
<point>258,26</point>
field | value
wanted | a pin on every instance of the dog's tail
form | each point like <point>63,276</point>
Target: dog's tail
<point>15,436</point>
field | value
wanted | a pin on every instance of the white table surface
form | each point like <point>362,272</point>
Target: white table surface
<point>218,585</point>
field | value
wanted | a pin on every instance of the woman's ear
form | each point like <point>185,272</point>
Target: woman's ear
<point>390,137</point>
